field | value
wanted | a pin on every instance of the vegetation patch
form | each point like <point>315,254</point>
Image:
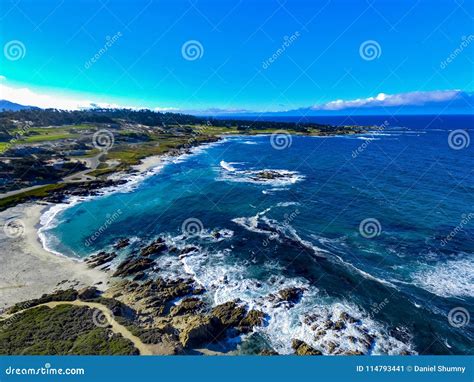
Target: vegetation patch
<point>65,329</point>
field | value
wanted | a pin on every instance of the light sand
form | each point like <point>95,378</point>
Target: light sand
<point>27,270</point>
<point>149,163</point>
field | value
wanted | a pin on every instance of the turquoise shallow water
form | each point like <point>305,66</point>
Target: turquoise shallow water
<point>391,212</point>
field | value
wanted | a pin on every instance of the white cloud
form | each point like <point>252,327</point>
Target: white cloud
<point>387,100</point>
<point>28,97</point>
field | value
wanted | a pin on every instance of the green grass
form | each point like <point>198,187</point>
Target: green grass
<point>4,146</point>
<point>35,194</point>
<point>45,137</point>
<point>63,330</point>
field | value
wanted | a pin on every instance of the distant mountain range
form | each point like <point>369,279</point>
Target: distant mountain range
<point>12,106</point>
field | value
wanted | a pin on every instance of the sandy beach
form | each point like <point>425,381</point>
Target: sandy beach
<point>28,270</point>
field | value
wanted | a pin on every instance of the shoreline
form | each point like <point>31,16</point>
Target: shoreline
<point>30,269</point>
<point>39,269</point>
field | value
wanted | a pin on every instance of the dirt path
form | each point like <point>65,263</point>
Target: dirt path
<point>143,348</point>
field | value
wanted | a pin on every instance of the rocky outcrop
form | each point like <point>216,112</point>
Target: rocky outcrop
<point>302,348</point>
<point>122,243</point>
<point>155,248</point>
<point>253,318</point>
<point>268,352</point>
<point>100,259</point>
<point>88,293</point>
<point>133,265</point>
<point>190,305</point>
<point>229,314</point>
<point>200,330</point>
<point>290,295</point>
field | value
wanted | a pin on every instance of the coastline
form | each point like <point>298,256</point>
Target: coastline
<point>28,270</point>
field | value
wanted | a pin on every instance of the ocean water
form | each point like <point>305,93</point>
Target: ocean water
<point>379,226</point>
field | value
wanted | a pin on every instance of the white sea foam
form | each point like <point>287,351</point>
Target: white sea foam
<point>454,278</point>
<point>282,178</point>
<point>227,166</point>
<point>227,278</point>
<point>281,232</point>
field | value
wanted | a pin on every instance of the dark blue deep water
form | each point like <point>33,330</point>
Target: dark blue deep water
<point>379,226</point>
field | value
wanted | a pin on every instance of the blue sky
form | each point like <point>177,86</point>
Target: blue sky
<point>242,62</point>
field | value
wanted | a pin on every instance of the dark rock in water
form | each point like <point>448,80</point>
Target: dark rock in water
<point>139,276</point>
<point>331,346</point>
<point>122,243</point>
<point>302,348</point>
<point>268,352</point>
<point>269,175</point>
<point>352,352</point>
<point>189,249</point>
<point>253,318</point>
<point>291,295</point>
<point>339,325</point>
<point>187,306</point>
<point>88,293</point>
<point>133,265</point>
<point>344,316</point>
<point>100,258</point>
<point>200,330</point>
<point>229,314</point>
<point>154,248</point>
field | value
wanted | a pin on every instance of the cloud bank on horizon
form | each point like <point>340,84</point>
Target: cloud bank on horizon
<point>448,101</point>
